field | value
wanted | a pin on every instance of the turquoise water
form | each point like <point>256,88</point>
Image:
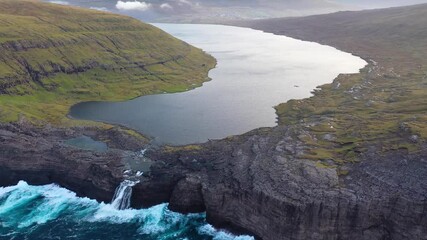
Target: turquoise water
<point>87,143</point>
<point>51,212</point>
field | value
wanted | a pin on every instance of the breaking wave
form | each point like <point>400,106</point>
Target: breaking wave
<point>52,212</point>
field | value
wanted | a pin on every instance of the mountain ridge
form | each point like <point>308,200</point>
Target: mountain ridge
<point>51,51</point>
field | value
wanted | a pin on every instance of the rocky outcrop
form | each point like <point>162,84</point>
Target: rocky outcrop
<point>252,183</point>
<point>261,182</point>
<point>187,196</point>
<point>255,184</point>
<point>40,156</point>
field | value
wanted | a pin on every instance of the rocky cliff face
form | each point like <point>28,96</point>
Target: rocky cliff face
<point>257,183</point>
<point>365,179</point>
<point>254,183</point>
<point>41,156</point>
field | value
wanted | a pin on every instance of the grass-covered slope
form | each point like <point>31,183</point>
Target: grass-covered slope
<point>54,56</point>
<point>383,106</point>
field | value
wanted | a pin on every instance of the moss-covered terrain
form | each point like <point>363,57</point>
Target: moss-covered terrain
<point>54,56</point>
<point>385,106</point>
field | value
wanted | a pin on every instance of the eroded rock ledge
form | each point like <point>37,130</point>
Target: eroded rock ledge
<point>262,182</point>
<point>257,183</point>
<point>40,156</point>
<point>254,183</point>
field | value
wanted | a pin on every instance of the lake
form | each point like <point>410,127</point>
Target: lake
<point>256,71</point>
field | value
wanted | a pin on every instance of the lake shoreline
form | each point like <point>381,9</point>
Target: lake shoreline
<point>248,92</point>
<point>268,181</point>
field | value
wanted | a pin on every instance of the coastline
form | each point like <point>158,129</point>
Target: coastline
<point>272,182</point>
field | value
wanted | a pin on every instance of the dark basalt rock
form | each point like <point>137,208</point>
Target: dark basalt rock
<point>254,183</point>
<point>40,156</point>
<point>187,196</point>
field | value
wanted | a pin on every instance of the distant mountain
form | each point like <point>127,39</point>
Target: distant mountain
<point>214,11</point>
<point>209,10</point>
<point>380,3</point>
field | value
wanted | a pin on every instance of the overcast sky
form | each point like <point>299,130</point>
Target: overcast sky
<point>381,3</point>
<point>189,10</point>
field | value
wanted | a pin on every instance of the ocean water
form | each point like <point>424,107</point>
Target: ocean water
<point>51,212</point>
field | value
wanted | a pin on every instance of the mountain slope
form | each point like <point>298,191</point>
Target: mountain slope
<point>385,104</point>
<point>54,56</point>
<point>391,32</point>
<point>380,3</point>
<point>347,163</point>
<point>216,10</point>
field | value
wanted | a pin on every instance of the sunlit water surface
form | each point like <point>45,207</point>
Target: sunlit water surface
<point>256,71</point>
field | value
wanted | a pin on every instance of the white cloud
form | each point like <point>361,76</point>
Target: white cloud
<point>60,2</point>
<point>165,6</point>
<point>135,5</point>
<point>185,2</point>
<point>104,9</point>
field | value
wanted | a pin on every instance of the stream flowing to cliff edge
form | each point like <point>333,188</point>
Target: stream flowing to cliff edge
<point>51,212</point>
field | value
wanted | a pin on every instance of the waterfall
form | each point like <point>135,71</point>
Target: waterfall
<point>123,193</point>
<point>121,199</point>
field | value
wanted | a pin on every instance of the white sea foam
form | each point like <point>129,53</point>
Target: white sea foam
<point>208,229</point>
<point>152,220</point>
<point>108,213</point>
<point>5,190</point>
<point>25,207</point>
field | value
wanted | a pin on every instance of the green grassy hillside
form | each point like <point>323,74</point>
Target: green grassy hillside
<point>54,56</point>
<point>385,105</point>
